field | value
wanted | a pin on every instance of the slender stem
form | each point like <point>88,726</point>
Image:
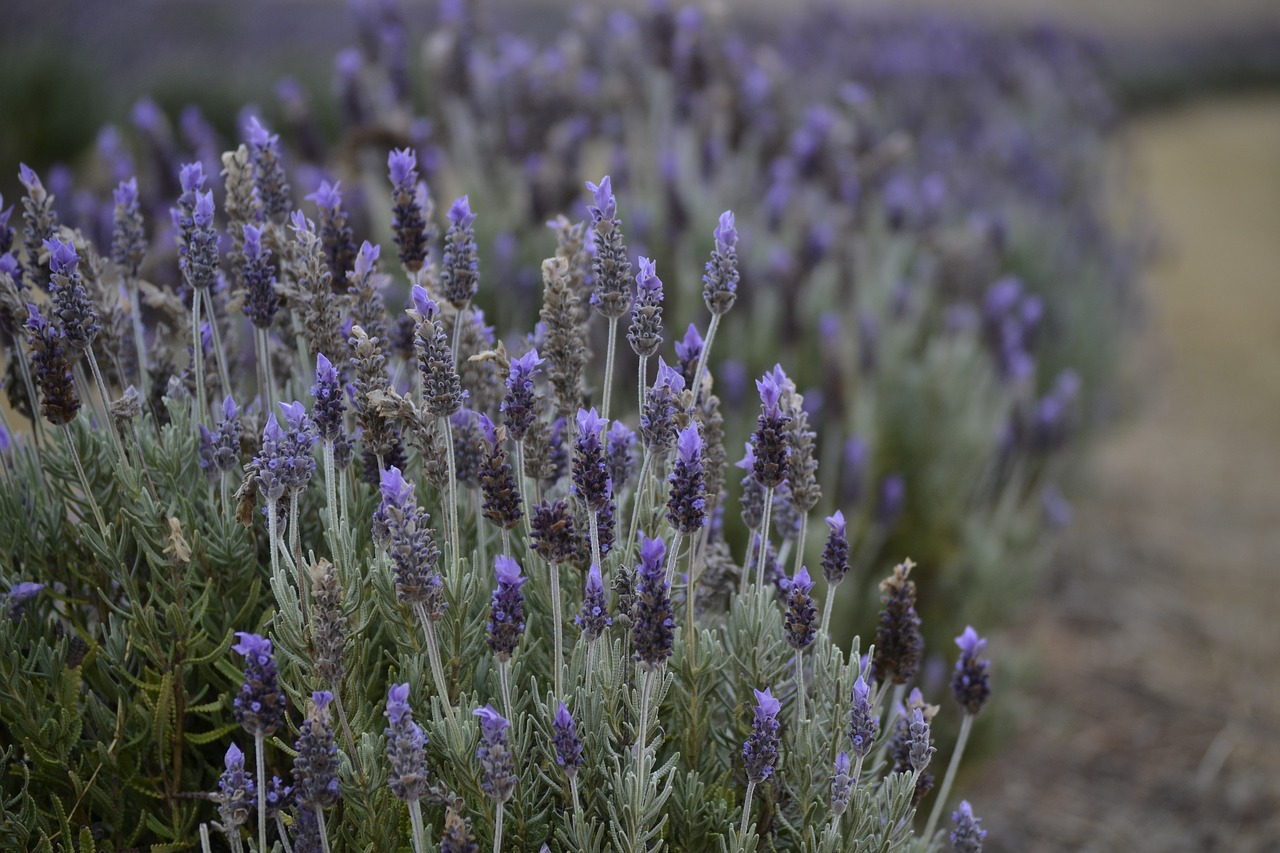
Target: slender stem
<point>504,681</point>
<point>506,542</point>
<point>579,820</point>
<point>219,354</point>
<point>331,503</point>
<point>106,403</point>
<point>800,685</point>
<point>558,619</point>
<point>966,725</point>
<point>84,482</point>
<point>706,351</point>
<point>524,493</point>
<point>284,835</point>
<point>197,360</point>
<point>641,483</point>
<point>272,525</point>
<point>482,530</point>
<point>452,509</point>
<point>642,379</point>
<point>259,748</point>
<point>857,769</point>
<point>804,528</point>
<point>205,846</point>
<point>37,423</point>
<point>457,333</point>
<point>668,573</point>
<point>608,366</point>
<point>347,734</point>
<point>642,776</point>
<point>497,830</point>
<point>437,674</point>
<point>826,609</point>
<point>144,378</point>
<point>324,831</point>
<point>746,810</point>
<point>224,490</point>
<point>591,663</point>
<point>691,590</point>
<point>594,521</point>
<point>415,822</point>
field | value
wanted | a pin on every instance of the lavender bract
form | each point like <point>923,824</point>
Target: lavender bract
<point>259,706</point>
<point>760,751</point>
<point>406,747</point>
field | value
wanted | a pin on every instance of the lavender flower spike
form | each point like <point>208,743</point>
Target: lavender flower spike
<point>590,469</point>
<point>407,218</point>
<point>458,273</point>
<point>568,746</point>
<point>506,611</point>
<point>970,683</point>
<point>645,334</point>
<point>760,750</point>
<point>329,407</point>
<point>59,399</point>
<point>770,441</point>
<point>235,792</point>
<point>519,406</point>
<point>841,785</point>
<point>406,748</point>
<point>863,725</point>
<point>497,767</point>
<point>967,837</point>
<point>653,626</point>
<point>687,504</point>
<point>259,707</point>
<point>801,618</point>
<point>315,767</point>
<point>835,554</point>
<point>720,282</point>
<point>918,746</point>
<point>594,618</point>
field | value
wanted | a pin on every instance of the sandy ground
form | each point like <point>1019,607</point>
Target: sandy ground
<point>1155,722</point>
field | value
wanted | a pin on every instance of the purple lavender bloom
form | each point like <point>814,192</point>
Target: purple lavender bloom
<point>552,532</point>
<point>220,450</point>
<point>687,503</point>
<point>802,616</point>
<point>841,785</point>
<point>199,262</point>
<point>893,498</point>
<point>645,334</point>
<point>520,406</point>
<point>568,746</point>
<point>259,277</point>
<point>760,751</point>
<point>657,421</point>
<point>590,469</point>
<point>502,502</point>
<point>235,794</point>
<point>506,610</point>
<point>335,231</point>
<point>406,748</point>
<point>259,706</point>
<point>6,233</point>
<point>594,617</point>
<point>315,767</point>
<point>770,442</point>
<point>720,282</point>
<point>441,387</point>
<point>497,767</point>
<point>402,525</point>
<point>620,455</point>
<point>653,626</point>
<point>967,837</point>
<point>327,392</point>
<point>268,171</point>
<point>407,218</point>
<point>899,646</point>
<point>835,554</point>
<point>459,277</point>
<point>18,595</point>
<point>970,683</point>
<point>72,307</point>
<point>863,723</point>
<point>610,295</point>
<point>688,351</point>
<point>919,749</point>
<point>59,400</point>
<point>128,239</point>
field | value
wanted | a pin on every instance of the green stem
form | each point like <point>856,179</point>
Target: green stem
<point>826,609</point>
<point>437,674</point>
<point>219,354</point>
<point>416,826</point>
<point>451,511</point>
<point>504,681</point>
<point>799,686</point>
<point>608,366</point>
<point>706,351</point>
<point>558,619</point>
<point>324,831</point>
<point>259,748</point>
<point>497,830</point>
<point>746,813</point>
<point>106,404</point>
<point>84,482</point>
<point>939,803</point>
<point>197,362</point>
<point>641,483</point>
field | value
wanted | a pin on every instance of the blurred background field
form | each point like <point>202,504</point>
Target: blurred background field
<point>1147,717</point>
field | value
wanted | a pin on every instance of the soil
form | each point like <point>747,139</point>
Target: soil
<point>1154,721</point>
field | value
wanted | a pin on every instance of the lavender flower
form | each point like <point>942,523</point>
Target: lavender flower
<point>653,627</point>
<point>687,504</point>
<point>967,837</point>
<point>220,450</point>
<point>284,465</point>
<point>259,706</point>
<point>863,724</point>
<point>410,544</point>
<point>801,618</point>
<point>769,441</point>
<point>59,400</point>
<point>590,470</point>
<point>919,749</point>
<point>441,388</point>
<point>752,511</point>
<point>519,407</point>
<point>260,300</point>
<point>497,768</point>
<point>594,618</point>
<point>720,282</point>
<point>19,594</point>
<point>657,421</point>
<point>407,219</point>
<point>506,610</point>
<point>315,767</point>
<point>200,262</point>
<point>970,682</point>
<point>328,409</point>
<point>760,751</point>
<point>406,748</point>
<point>335,232</point>
<point>564,737</point>
<point>458,271</point>
<point>645,334</point>
<point>610,296</point>
<point>40,222</point>
<point>235,792</point>
<point>502,504</point>
<point>552,531</point>
<point>457,837</point>
<point>128,239</point>
<point>841,785</point>
<point>191,179</point>
<point>619,456</point>
<point>268,172</point>
<point>72,307</point>
<point>470,447</point>
<point>688,352</point>
<point>899,646</point>
<point>328,624</point>
<point>835,554</point>
<point>364,284</point>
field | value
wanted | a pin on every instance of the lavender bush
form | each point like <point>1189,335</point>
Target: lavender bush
<point>308,515</point>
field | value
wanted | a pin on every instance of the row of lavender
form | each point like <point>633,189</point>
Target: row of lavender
<point>859,203</point>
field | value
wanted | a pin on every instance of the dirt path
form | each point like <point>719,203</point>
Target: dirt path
<point>1155,722</point>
